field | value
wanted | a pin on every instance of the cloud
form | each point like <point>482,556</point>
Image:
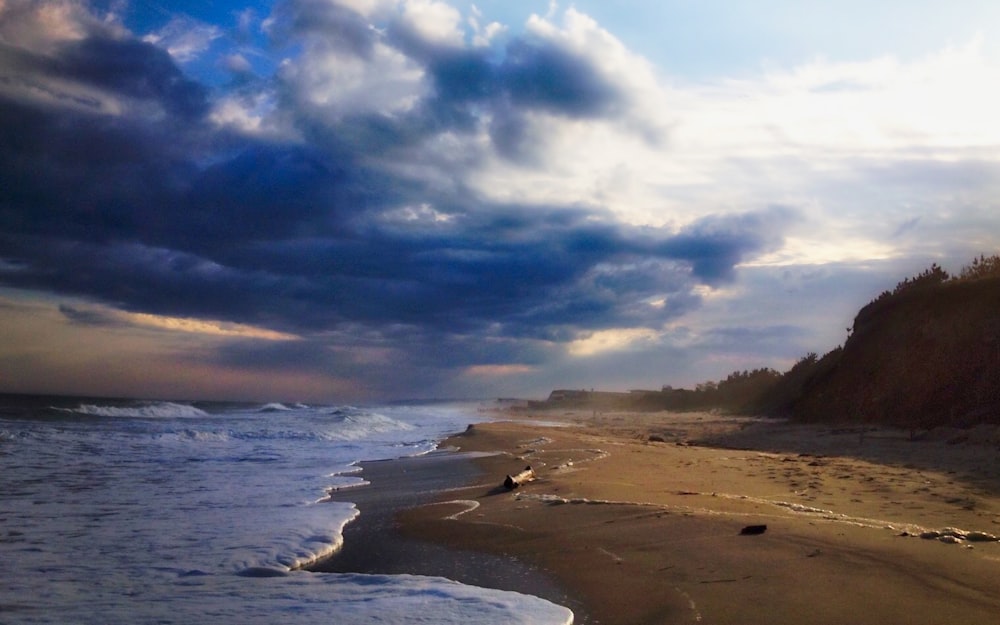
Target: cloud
<point>41,27</point>
<point>59,56</point>
<point>106,317</point>
<point>411,188</point>
<point>237,64</point>
<point>172,218</point>
<point>132,69</point>
<point>543,76</point>
<point>498,370</point>
<point>88,317</point>
<point>184,38</point>
<point>906,227</point>
<point>714,244</point>
<point>396,81</point>
<point>610,340</point>
<point>435,22</point>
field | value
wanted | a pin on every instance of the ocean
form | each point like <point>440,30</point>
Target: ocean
<point>130,511</point>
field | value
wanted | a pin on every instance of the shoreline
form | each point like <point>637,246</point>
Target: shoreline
<point>374,544</point>
<point>638,517</point>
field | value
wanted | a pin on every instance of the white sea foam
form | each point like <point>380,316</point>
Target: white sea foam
<point>295,598</point>
<point>275,407</point>
<point>158,513</point>
<point>142,410</point>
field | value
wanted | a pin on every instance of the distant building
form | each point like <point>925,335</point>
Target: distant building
<point>569,395</point>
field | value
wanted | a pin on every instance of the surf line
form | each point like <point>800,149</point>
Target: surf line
<point>468,504</point>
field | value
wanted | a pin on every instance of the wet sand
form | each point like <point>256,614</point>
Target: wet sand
<point>373,544</point>
<point>639,517</point>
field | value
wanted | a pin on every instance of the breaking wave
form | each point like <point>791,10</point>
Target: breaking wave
<point>149,410</point>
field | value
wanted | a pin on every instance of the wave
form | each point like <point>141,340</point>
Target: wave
<point>215,436</point>
<point>277,407</point>
<point>351,414</point>
<point>358,428</point>
<point>150,410</point>
<point>345,412</point>
<point>216,423</point>
<point>320,536</point>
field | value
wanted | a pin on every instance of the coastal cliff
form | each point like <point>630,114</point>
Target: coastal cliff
<point>925,355</point>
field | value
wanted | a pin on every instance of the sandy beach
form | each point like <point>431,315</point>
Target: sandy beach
<point>640,518</point>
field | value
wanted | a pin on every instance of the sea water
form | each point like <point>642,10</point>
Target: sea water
<point>124,511</point>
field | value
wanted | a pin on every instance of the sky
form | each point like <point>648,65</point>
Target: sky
<point>365,200</point>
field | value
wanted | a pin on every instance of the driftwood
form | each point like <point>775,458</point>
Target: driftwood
<point>753,530</point>
<point>513,481</point>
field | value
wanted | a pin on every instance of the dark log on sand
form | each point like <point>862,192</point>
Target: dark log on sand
<point>513,481</point>
<point>753,530</point>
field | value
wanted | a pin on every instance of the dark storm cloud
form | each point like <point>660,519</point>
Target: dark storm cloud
<point>126,67</point>
<point>541,75</point>
<point>138,278</point>
<point>531,270</point>
<point>168,214</point>
<point>532,74</point>
<point>265,194</point>
<point>85,171</point>
<point>715,244</point>
<point>87,317</point>
<point>135,69</point>
<point>89,177</point>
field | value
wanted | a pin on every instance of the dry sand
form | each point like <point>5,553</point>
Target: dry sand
<point>649,531</point>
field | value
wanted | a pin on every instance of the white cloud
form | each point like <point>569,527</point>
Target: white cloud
<point>254,114</point>
<point>368,8</point>
<point>434,21</point>
<point>489,33</point>
<point>237,63</point>
<point>483,36</point>
<point>943,102</point>
<point>184,38</point>
<point>617,339</point>
<point>200,326</point>
<point>335,83</point>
